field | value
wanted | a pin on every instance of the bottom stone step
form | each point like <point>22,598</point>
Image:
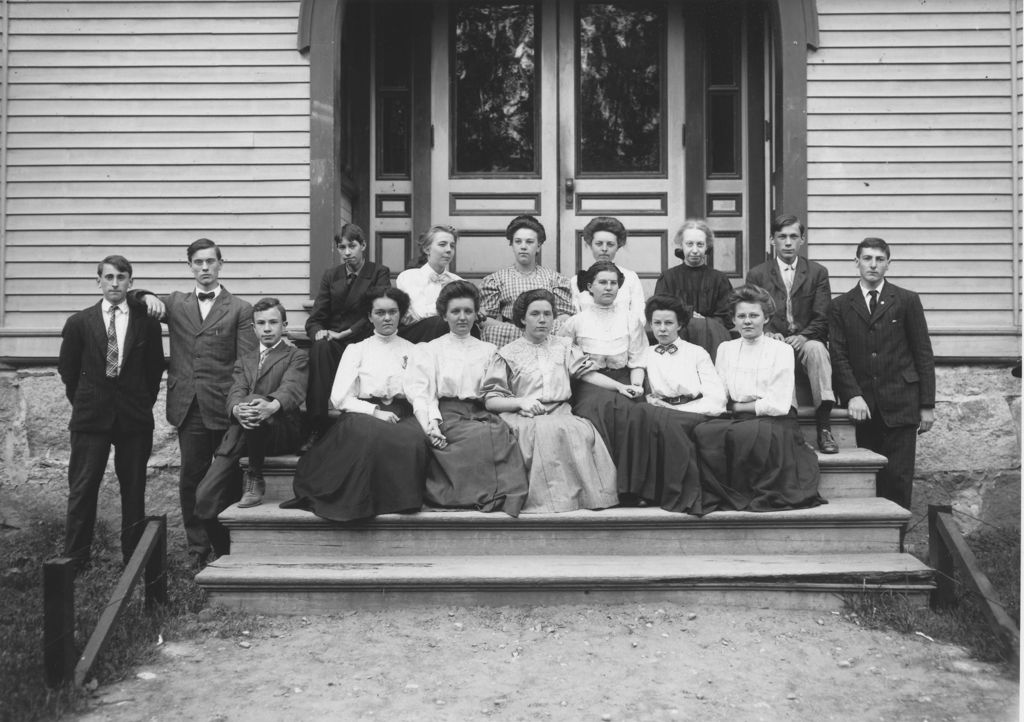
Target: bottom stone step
<point>316,585</point>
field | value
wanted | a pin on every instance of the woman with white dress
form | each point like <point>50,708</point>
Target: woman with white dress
<point>528,384</point>
<point>423,284</point>
<point>475,461</point>
<point>757,460</point>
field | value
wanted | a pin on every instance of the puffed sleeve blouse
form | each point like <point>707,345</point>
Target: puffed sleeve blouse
<point>760,371</point>
<point>448,367</point>
<point>541,371</point>
<point>375,368</point>
<point>686,372</point>
<point>610,336</point>
<point>423,287</point>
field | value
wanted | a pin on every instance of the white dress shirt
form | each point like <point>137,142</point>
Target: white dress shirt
<point>120,326</point>
<point>374,368</point>
<point>760,371</point>
<point>205,306</point>
<point>687,372</point>
<point>423,287</point>
<point>867,299</point>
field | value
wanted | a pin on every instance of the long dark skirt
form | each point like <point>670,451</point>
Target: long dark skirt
<point>362,467</point>
<point>707,333</point>
<point>481,467</point>
<point>654,456</point>
<point>756,463</point>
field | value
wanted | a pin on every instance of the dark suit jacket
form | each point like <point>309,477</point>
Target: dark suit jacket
<point>338,307</point>
<point>96,401</point>
<point>283,376</point>
<point>203,353</point>
<point>811,295</point>
<point>887,357</point>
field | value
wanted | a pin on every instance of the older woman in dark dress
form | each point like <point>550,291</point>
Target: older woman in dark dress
<point>702,288</point>
<point>338,318</point>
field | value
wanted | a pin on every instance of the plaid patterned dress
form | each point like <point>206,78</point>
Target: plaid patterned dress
<point>500,290</point>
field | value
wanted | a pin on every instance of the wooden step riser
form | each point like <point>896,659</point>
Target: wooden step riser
<point>317,600</point>
<point>334,542</point>
<point>843,483</point>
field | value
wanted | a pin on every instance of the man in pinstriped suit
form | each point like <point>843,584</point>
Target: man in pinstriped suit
<point>883,366</point>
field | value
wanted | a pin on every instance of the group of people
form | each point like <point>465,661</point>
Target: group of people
<point>532,393</point>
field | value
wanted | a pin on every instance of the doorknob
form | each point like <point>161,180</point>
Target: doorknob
<point>570,192</point>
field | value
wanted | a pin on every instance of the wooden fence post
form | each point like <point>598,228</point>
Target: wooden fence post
<point>940,559</point>
<point>156,566</point>
<point>59,620</point>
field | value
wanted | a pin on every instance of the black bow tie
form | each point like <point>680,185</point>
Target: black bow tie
<point>670,349</point>
<point>206,296</point>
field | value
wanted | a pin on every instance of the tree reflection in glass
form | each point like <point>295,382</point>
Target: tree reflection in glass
<point>494,79</point>
<point>620,101</point>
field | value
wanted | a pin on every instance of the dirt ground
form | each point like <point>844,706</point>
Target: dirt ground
<point>627,662</point>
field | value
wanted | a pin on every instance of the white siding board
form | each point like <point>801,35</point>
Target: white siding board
<point>141,126</point>
<point>909,136</point>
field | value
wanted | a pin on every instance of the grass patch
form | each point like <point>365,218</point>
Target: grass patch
<point>22,553</point>
<point>998,553</point>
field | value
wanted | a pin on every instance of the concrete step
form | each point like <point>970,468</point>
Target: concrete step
<point>843,427</point>
<point>850,473</point>
<point>314,585</point>
<point>865,525</point>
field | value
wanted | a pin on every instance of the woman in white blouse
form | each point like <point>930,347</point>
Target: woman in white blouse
<point>475,460</point>
<point>654,456</point>
<point>758,460</point>
<point>605,237</point>
<point>373,460</point>
<point>423,284</point>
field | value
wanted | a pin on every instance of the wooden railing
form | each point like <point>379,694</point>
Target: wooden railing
<point>150,556</point>
<point>947,552</point>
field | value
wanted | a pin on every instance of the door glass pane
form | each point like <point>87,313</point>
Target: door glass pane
<point>494,82</point>
<point>620,79</point>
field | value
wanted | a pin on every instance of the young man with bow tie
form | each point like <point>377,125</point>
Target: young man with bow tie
<point>884,368</point>
<point>802,294</point>
<point>210,329</point>
<point>111,361</point>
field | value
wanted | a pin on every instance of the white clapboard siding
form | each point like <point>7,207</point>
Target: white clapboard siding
<point>910,138</point>
<point>137,127</point>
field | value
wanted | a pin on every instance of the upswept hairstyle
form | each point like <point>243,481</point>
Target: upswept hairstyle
<point>350,232</point>
<point>583,280</point>
<point>752,294</point>
<point>265,304</point>
<point>426,238</point>
<point>605,223</point>
<point>522,303</point>
<point>395,294</point>
<point>457,289</point>
<point>201,245</point>
<point>664,302</point>
<point>878,244</point>
<point>119,262</point>
<point>526,222</point>
<point>701,225</point>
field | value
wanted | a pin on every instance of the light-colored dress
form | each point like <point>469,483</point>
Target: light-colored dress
<point>364,466</point>
<point>631,296</point>
<point>759,461</point>
<point>481,467</point>
<point>568,465</point>
<point>499,291</point>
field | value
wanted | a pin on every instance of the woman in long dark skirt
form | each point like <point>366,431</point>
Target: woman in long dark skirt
<point>757,460</point>
<point>654,457</point>
<point>373,460</point>
<point>475,461</point>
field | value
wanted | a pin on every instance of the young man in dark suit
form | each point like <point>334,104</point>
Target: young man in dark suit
<point>802,296</point>
<point>111,362</point>
<point>265,405</point>
<point>210,329</point>
<point>884,367</point>
<point>338,319</point>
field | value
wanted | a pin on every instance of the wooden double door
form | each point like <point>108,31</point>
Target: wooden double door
<point>650,111</point>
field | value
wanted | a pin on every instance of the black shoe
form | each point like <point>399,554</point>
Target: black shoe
<point>199,560</point>
<point>827,442</point>
<point>310,442</point>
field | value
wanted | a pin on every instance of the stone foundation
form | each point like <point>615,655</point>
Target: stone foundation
<point>970,459</point>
